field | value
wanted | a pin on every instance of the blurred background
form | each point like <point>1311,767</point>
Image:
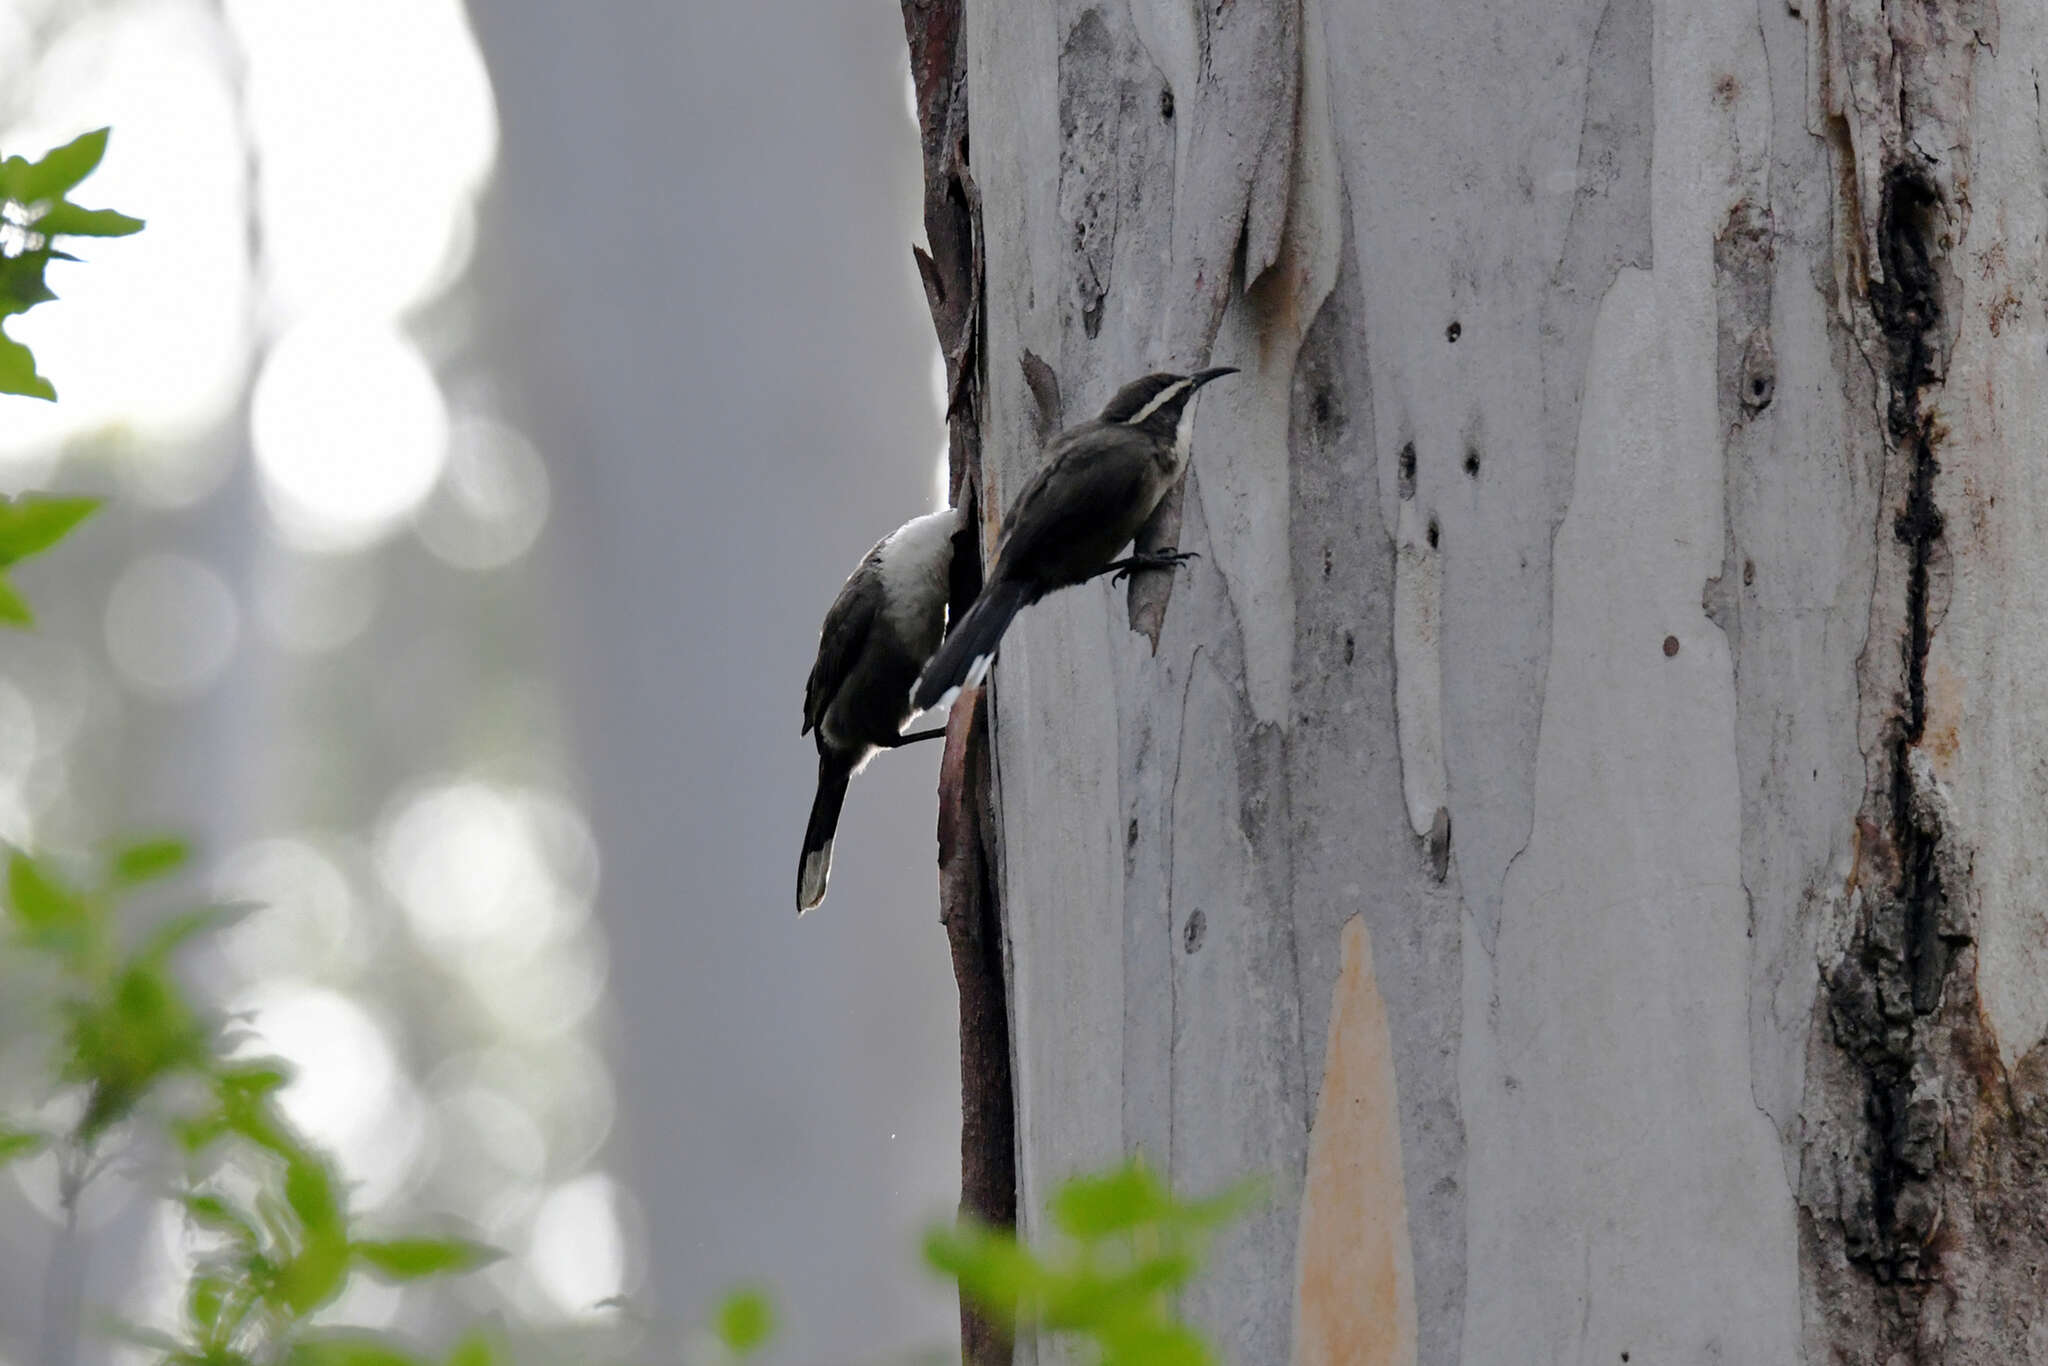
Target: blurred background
<point>490,409</point>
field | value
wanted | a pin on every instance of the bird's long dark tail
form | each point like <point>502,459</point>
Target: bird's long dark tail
<point>963,660</point>
<point>815,868</point>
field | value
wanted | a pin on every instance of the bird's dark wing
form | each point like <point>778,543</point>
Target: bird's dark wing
<point>1093,478</point>
<point>847,624</point>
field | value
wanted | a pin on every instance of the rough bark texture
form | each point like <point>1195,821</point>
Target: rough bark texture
<point>1575,829</point>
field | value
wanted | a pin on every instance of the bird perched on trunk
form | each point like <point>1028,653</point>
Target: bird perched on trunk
<point>1101,482</point>
<point>877,635</point>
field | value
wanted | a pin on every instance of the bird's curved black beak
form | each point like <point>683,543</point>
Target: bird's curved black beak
<point>1202,377</point>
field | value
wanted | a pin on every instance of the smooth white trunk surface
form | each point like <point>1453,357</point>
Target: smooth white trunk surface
<point>1498,845</point>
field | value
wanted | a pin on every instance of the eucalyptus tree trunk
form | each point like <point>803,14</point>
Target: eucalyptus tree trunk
<point>1576,830</point>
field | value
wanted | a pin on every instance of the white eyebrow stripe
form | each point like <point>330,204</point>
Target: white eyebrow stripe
<point>1165,397</point>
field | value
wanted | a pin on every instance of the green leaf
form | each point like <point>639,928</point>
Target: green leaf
<point>309,1191</point>
<point>993,1269</point>
<point>204,1298</point>
<point>1114,1202</point>
<point>1157,1343</point>
<point>39,901</point>
<point>349,1347</point>
<point>22,286</point>
<point>59,170</point>
<point>314,1276</point>
<point>410,1259</point>
<point>318,1271</point>
<point>123,1044</point>
<point>13,608</point>
<point>255,1078</point>
<point>217,1215</point>
<point>68,220</point>
<point>194,1132</point>
<point>145,860</point>
<point>20,1143</point>
<point>745,1321</point>
<point>1087,1297</point>
<point>474,1348</point>
<point>18,371</point>
<point>34,522</point>
<point>246,1108</point>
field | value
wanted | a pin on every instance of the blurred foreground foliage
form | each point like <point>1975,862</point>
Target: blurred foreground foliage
<point>143,1073</point>
<point>1126,1247</point>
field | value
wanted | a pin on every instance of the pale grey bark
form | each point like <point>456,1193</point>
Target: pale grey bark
<point>1575,622</point>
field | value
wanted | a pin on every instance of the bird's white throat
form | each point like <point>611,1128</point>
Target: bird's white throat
<point>915,563</point>
<point>1183,436</point>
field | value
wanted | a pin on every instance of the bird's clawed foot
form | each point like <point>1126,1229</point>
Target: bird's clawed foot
<point>1148,559</point>
<point>900,741</point>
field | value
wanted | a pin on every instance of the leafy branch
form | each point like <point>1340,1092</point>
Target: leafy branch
<point>34,211</point>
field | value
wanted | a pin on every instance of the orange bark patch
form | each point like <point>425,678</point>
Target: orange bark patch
<point>1355,1299</point>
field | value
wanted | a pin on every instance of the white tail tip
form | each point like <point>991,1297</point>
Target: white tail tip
<point>811,880</point>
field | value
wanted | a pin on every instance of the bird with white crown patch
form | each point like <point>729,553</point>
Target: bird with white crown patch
<point>1100,483</point>
<point>877,636</point>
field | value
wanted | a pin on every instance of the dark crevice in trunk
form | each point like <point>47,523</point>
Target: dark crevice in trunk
<point>1884,997</point>
<point>969,902</point>
<point>1926,1160</point>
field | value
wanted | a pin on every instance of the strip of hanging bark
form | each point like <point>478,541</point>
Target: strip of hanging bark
<point>969,909</point>
<point>937,35</point>
<point>967,897</point>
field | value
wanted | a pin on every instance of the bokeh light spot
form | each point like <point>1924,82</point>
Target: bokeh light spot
<point>310,604</point>
<point>492,500</point>
<point>305,919</point>
<point>358,108</point>
<point>347,1090</point>
<point>500,1127</point>
<point>171,625</point>
<point>577,1251</point>
<point>466,862</point>
<point>350,432</point>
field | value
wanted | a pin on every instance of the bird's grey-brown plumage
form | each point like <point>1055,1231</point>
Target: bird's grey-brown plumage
<point>878,634</point>
<point>1100,482</point>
